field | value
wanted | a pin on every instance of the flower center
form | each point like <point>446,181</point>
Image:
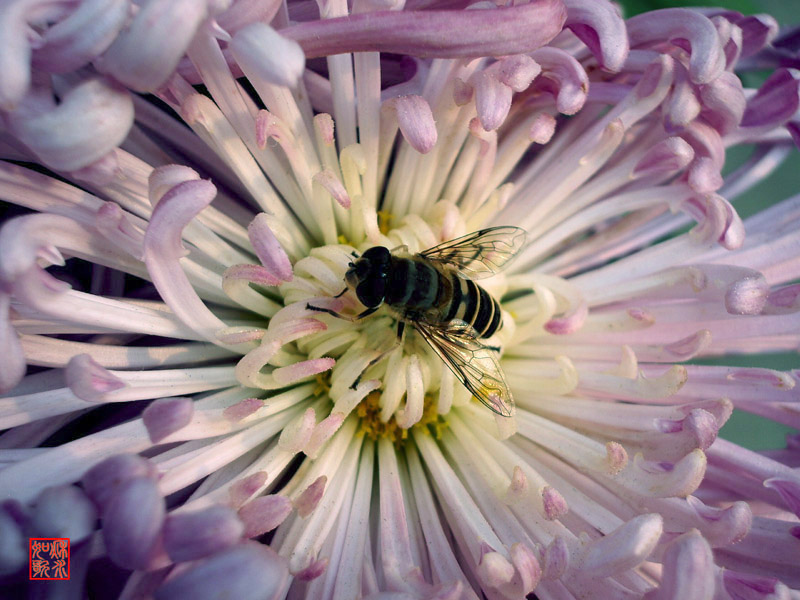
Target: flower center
<point>391,384</point>
<point>372,425</point>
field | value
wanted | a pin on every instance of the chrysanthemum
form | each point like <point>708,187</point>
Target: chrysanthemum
<point>182,399</point>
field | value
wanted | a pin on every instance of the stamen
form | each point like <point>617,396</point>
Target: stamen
<point>308,500</point>
<point>243,489</point>
<point>298,433</point>
<point>195,535</point>
<point>166,416</point>
<point>89,380</point>
<point>264,514</point>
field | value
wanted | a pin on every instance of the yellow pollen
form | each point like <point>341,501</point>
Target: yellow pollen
<point>323,386</point>
<point>369,411</point>
<point>384,221</point>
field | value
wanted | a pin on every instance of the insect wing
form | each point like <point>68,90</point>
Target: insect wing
<point>481,253</point>
<point>474,364</point>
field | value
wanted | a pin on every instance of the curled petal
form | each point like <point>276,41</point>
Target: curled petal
<point>15,59</point>
<point>663,480</point>
<point>703,176</point>
<point>748,585</point>
<point>31,240</point>
<point>247,571</point>
<point>722,526</point>
<point>723,102</point>
<point>495,570</point>
<point>571,321</point>
<point>268,249</point>
<point>244,12</point>
<point>776,101</point>
<point>528,571</point>
<point>517,72</point>
<point>492,100</point>
<point>757,32</point>
<point>600,26</point>
<point>297,434</point>
<point>83,35</point>
<point>12,368</point>
<point>328,179</point>
<point>688,571</point>
<point>163,249</point>
<point>435,33</point>
<point>624,548</point>
<point>145,55</point>
<point>92,119</point>
<point>101,172</point>
<point>542,129</point>
<point>323,432</point>
<point>65,512</point>
<point>555,559</point>
<point>166,177</point>
<point>671,154</point>
<point>707,60</point>
<point>788,488</point>
<point>567,80</point>
<point>415,120</point>
<point>264,54</point>
<point>314,570</point>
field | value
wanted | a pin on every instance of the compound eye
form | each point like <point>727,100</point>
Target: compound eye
<point>371,292</point>
<point>362,268</point>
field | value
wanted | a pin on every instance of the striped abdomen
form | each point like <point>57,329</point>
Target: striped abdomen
<point>416,286</point>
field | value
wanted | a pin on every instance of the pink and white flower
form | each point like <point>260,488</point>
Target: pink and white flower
<point>172,405</point>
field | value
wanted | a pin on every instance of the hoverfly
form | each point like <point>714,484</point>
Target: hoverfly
<point>434,291</point>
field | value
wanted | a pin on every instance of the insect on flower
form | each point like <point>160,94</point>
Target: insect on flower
<point>434,291</point>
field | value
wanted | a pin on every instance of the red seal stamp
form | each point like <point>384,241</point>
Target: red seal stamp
<point>49,558</point>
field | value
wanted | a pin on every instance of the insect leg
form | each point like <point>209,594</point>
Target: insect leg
<point>397,344</point>
<point>367,312</point>
<point>331,312</point>
<point>350,318</point>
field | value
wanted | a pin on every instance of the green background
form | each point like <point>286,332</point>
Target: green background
<point>749,430</point>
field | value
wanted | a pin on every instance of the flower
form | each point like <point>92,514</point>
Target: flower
<point>285,451</point>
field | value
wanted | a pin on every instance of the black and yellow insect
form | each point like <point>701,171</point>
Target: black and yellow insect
<point>434,291</point>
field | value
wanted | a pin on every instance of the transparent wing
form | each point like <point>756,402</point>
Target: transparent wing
<point>481,253</point>
<point>474,364</point>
